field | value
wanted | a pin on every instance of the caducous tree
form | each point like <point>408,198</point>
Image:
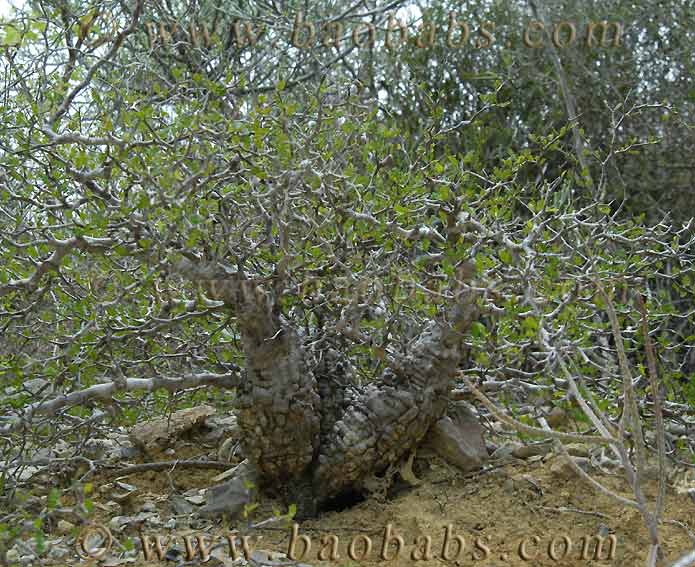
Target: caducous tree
<point>178,211</point>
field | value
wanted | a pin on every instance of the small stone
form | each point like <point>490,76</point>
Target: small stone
<point>117,521</point>
<point>556,417</point>
<point>149,507</point>
<point>110,506</point>
<point>174,553</point>
<point>526,451</point>
<point>158,433</point>
<point>458,438</point>
<point>563,469</point>
<point>577,449</point>
<point>231,497</point>
<point>180,505</point>
<point>64,527</point>
<point>58,552</point>
<point>506,450</point>
<point>197,499</point>
<point>128,452</point>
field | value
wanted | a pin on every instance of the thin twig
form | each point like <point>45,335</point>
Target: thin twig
<point>170,465</point>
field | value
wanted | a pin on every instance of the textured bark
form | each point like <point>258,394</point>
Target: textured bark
<point>334,387</point>
<point>310,434</point>
<point>278,402</point>
<point>388,418</point>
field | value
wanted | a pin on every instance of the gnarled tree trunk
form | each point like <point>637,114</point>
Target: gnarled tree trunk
<point>309,432</point>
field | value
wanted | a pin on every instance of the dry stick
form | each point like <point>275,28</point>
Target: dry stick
<point>164,465</point>
<point>632,417</point>
<point>106,390</point>
<point>546,431</point>
<point>685,561</point>
<point>575,511</point>
<point>590,399</point>
<point>567,97</point>
<point>577,469</point>
<point>576,438</point>
<point>596,417</point>
<point>601,423</point>
<point>658,413</point>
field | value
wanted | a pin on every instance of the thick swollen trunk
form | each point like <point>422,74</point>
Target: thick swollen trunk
<point>309,433</point>
<point>279,406</point>
<point>318,450</point>
<point>387,419</point>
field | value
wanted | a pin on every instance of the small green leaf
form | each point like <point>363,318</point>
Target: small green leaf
<point>505,256</point>
<point>478,330</point>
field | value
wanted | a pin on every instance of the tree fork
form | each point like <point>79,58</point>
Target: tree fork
<point>388,418</point>
<point>309,434</point>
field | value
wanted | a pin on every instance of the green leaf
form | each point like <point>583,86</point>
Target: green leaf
<point>478,330</point>
<point>506,256</point>
<point>11,37</point>
<point>53,499</point>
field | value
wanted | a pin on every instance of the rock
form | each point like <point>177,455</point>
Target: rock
<point>174,553</point>
<point>64,527</point>
<point>526,451</point>
<point>126,492</point>
<point>223,427</point>
<point>125,486</point>
<point>458,438</point>
<point>97,448</point>
<point>556,417</point>
<point>118,523</point>
<point>12,556</point>
<point>109,506</point>
<point>128,452</point>
<point>57,552</point>
<point>196,499</point>
<point>149,506</point>
<point>157,434</point>
<point>577,449</point>
<point>506,450</point>
<point>562,469</point>
<point>231,497</point>
<point>180,505</point>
